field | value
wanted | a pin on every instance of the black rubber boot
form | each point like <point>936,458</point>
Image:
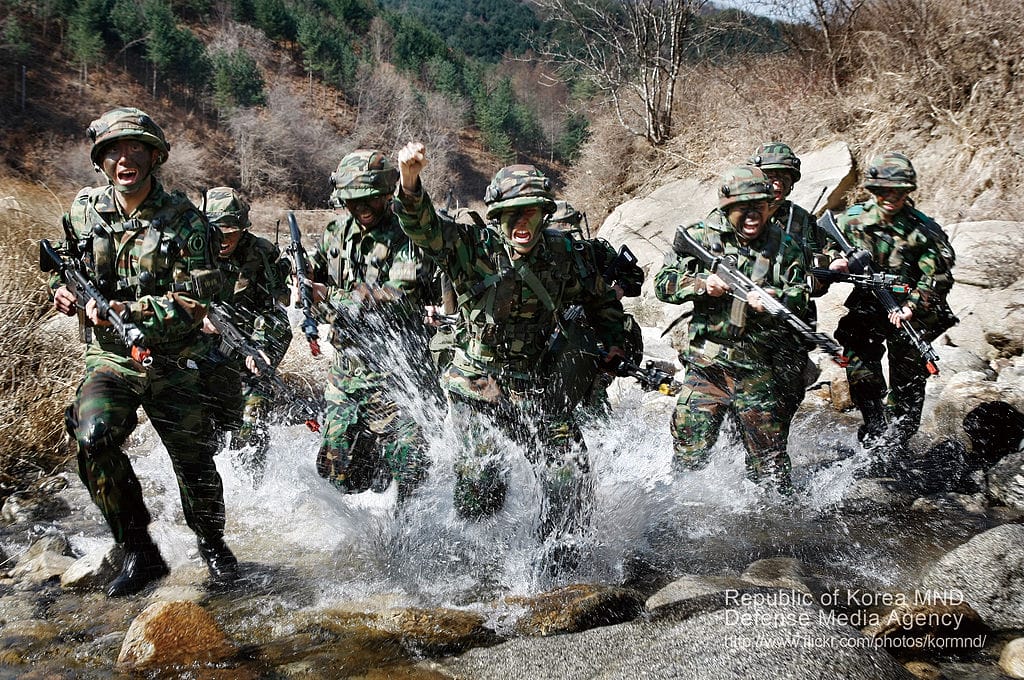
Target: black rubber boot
<point>220,561</point>
<point>142,565</point>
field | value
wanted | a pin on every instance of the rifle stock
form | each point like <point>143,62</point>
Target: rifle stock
<point>84,290</point>
<point>234,342</point>
<point>304,285</point>
<point>684,244</point>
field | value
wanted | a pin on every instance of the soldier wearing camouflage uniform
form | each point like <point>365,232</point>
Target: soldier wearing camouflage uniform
<point>373,284</point>
<point>626,281</point>
<point>513,279</point>
<point>151,254</point>
<point>728,355</point>
<point>257,290</point>
<point>782,168</point>
<point>903,241</point>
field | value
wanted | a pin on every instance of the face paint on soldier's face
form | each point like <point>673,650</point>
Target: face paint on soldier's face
<point>367,211</point>
<point>229,238</point>
<point>748,218</point>
<point>782,184</point>
<point>891,201</point>
<point>521,227</point>
<point>127,163</point>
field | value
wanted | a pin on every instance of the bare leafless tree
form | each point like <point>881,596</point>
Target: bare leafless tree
<point>633,51</point>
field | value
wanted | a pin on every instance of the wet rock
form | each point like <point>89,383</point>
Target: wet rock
<point>913,630</point>
<point>763,641</point>
<point>924,670</point>
<point>437,631</point>
<point>941,467</point>
<point>25,507</point>
<point>168,633</point>
<point>16,608</point>
<point>1011,661</point>
<point>94,570</point>
<point>19,640</point>
<point>101,649</point>
<point>946,502</point>
<point>576,607</point>
<point>870,494</point>
<point>1006,481</point>
<point>696,594</point>
<point>988,571</point>
<point>786,573</point>
<point>47,559</point>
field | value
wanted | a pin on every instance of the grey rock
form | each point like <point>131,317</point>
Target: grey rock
<point>1006,481</point>
<point>93,570</point>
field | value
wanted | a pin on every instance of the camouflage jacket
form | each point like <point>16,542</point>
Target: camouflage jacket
<point>912,247</point>
<point>257,288</point>
<point>161,259</point>
<point>724,330</point>
<point>508,308</point>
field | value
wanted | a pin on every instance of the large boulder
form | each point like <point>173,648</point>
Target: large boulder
<point>173,633</point>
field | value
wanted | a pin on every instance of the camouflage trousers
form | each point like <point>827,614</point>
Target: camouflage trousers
<point>553,445</point>
<point>102,416</point>
<point>754,398</point>
<point>367,440</point>
<point>866,337</point>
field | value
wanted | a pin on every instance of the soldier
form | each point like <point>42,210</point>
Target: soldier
<point>782,168</point>
<point>513,279</point>
<point>257,290</point>
<point>905,242</point>
<point>366,268</point>
<point>625,278</point>
<point>729,347</point>
<point>152,255</point>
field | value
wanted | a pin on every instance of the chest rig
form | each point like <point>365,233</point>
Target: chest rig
<point>373,258</point>
<point>509,308</point>
<point>895,248</point>
<point>760,264</point>
<point>131,257</point>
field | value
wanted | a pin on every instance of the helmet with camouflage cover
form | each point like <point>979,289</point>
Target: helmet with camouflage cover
<point>776,156</point>
<point>743,183</point>
<point>519,186</point>
<point>225,209</point>
<point>891,170</point>
<point>566,214</point>
<point>364,173</point>
<point>126,123</point>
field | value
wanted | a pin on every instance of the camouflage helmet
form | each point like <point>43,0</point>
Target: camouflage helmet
<point>519,185</point>
<point>891,170</point>
<point>566,214</point>
<point>225,208</point>
<point>743,183</point>
<point>776,156</point>
<point>364,173</point>
<point>126,123</point>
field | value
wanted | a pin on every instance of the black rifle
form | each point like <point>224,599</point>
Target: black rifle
<point>882,286</point>
<point>72,274</point>
<point>304,284</point>
<point>726,270</point>
<point>234,343</point>
<point>650,377</point>
<point>615,269</point>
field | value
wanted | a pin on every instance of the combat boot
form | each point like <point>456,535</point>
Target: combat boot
<point>220,561</point>
<point>876,421</point>
<point>142,565</point>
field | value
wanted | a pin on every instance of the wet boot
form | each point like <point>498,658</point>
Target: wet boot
<point>142,565</point>
<point>220,561</point>
<point>873,435</point>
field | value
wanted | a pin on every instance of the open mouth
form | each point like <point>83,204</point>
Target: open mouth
<point>523,236</point>
<point>127,175</point>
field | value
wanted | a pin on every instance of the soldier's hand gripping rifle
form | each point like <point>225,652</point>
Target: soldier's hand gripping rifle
<point>304,284</point>
<point>613,273</point>
<point>233,342</point>
<point>725,269</point>
<point>73,276</point>
<point>882,286</point>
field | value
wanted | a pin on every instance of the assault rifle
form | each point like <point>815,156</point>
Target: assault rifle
<point>613,272</point>
<point>725,268</point>
<point>881,285</point>
<point>650,377</point>
<point>234,342</point>
<point>304,284</point>
<point>72,274</point>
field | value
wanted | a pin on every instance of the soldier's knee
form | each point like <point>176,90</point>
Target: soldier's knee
<point>479,492</point>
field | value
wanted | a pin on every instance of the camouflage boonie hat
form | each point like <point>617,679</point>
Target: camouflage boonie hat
<point>891,170</point>
<point>519,185</point>
<point>743,183</point>
<point>225,209</point>
<point>363,174</point>
<point>126,123</point>
<point>566,214</point>
<point>776,156</point>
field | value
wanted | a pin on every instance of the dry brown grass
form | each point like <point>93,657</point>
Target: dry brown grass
<point>40,363</point>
